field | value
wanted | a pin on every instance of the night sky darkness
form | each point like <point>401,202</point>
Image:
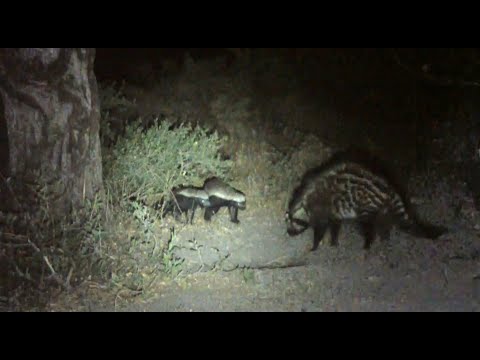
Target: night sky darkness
<point>344,79</point>
<point>118,63</point>
<point>382,87</point>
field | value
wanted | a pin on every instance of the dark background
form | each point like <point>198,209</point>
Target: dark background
<point>384,93</point>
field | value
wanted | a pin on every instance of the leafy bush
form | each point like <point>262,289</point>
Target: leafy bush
<point>145,164</point>
<point>148,163</point>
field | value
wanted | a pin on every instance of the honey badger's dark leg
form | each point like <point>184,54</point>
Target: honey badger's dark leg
<point>177,213</point>
<point>318,233</point>
<point>176,206</point>
<point>210,211</point>
<point>167,208</point>
<point>233,210</point>
<point>186,216</point>
<point>368,229</point>
<point>208,214</point>
<point>194,207</point>
<point>184,210</point>
<point>334,230</point>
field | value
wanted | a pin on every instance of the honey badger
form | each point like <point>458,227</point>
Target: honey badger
<point>346,188</point>
<point>185,199</point>
<point>221,194</point>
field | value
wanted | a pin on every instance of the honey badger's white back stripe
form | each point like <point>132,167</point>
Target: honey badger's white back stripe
<point>218,188</point>
<point>192,193</point>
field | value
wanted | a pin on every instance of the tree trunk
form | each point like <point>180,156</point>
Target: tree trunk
<point>51,107</point>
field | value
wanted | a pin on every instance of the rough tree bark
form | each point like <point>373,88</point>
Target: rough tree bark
<point>51,107</point>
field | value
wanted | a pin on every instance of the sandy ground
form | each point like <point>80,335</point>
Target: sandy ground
<point>405,274</point>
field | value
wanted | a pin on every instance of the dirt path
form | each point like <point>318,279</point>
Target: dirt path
<point>406,274</point>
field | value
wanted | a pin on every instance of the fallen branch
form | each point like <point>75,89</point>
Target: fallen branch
<point>282,262</point>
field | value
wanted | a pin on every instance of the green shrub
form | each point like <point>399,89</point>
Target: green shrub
<point>141,168</point>
<point>148,163</point>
